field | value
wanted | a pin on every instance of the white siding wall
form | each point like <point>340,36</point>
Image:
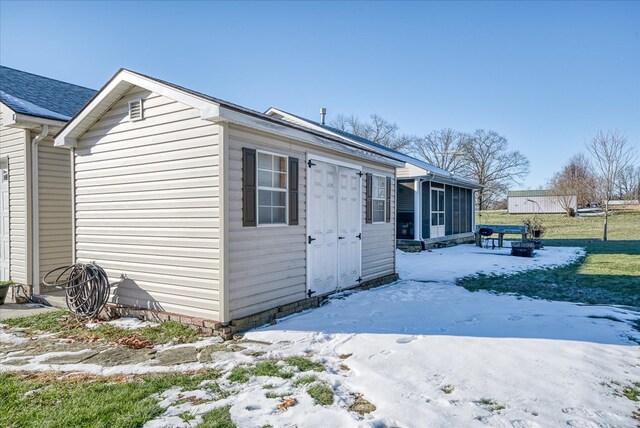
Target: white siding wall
<point>147,205</point>
<point>13,143</point>
<point>267,265</point>
<point>54,207</point>
<point>379,240</point>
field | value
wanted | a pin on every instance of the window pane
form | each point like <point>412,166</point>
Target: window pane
<point>434,219</point>
<point>441,201</point>
<point>265,161</point>
<point>264,215</point>
<point>280,163</point>
<point>278,199</point>
<point>280,180</point>
<point>279,215</point>
<point>264,198</point>
<point>265,178</point>
<point>434,200</point>
<point>441,219</point>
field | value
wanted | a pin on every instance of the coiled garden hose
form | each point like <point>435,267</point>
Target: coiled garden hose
<point>86,287</point>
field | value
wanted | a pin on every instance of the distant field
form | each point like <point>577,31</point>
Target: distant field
<point>609,274</point>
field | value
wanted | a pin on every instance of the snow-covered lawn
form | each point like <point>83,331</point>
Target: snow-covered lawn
<point>424,352</point>
<point>547,363</point>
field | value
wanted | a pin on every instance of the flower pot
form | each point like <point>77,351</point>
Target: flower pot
<point>4,289</point>
<point>536,233</point>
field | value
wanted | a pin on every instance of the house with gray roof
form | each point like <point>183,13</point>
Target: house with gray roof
<point>35,182</point>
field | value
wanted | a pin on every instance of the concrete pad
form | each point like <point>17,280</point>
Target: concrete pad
<point>14,310</point>
<point>72,359</point>
<point>119,356</point>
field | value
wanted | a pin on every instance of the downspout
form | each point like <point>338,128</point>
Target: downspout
<point>417,210</point>
<point>35,223</point>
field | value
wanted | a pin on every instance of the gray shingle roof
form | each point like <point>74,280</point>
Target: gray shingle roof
<point>33,95</point>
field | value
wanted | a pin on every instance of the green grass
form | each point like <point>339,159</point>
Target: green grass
<point>304,364</point>
<point>304,380</point>
<point>490,405</point>
<point>218,418</point>
<point>608,274</point>
<point>242,374</point>
<point>320,393</point>
<point>63,323</point>
<point>632,392</point>
<point>44,400</point>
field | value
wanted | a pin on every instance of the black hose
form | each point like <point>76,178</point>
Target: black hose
<point>86,286</point>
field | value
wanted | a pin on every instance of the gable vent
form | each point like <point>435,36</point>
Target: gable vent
<point>135,110</point>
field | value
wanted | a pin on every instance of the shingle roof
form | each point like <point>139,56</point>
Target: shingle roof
<point>33,95</point>
<point>398,155</point>
<point>529,193</point>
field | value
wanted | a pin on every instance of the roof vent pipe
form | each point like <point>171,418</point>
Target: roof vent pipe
<point>323,113</point>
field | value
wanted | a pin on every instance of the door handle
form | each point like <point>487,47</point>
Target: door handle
<point>311,239</point>
<point>341,237</point>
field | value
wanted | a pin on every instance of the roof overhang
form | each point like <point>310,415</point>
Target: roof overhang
<point>210,110</point>
<point>444,180</point>
<point>18,120</point>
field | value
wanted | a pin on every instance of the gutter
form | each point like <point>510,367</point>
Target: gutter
<point>35,223</point>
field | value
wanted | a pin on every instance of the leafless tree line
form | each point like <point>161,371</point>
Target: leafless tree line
<point>482,155</point>
<point>611,171</point>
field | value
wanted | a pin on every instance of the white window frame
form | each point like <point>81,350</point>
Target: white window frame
<point>373,198</point>
<point>277,189</point>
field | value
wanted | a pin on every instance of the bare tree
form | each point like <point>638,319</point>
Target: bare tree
<point>488,161</point>
<point>377,129</point>
<point>628,183</point>
<point>441,148</point>
<point>611,153</point>
<point>575,179</point>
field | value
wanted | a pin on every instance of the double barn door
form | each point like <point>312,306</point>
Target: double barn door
<point>334,215</point>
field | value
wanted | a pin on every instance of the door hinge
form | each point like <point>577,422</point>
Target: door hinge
<point>360,173</point>
<point>359,235</point>
<point>310,240</point>
<point>310,163</point>
<point>359,279</point>
<point>341,237</point>
<point>310,292</point>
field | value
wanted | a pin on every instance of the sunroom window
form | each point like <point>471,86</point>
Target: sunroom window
<point>272,188</point>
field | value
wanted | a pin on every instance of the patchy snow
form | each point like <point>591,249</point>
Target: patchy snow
<point>426,352</point>
<point>125,323</point>
<point>12,338</point>
<point>449,264</point>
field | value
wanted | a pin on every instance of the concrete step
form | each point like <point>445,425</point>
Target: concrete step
<point>409,246</point>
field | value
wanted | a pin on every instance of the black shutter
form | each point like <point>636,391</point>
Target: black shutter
<point>293,191</point>
<point>249,209</point>
<point>369,201</point>
<point>388,199</point>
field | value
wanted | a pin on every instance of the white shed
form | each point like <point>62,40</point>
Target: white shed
<point>211,210</point>
<point>538,202</point>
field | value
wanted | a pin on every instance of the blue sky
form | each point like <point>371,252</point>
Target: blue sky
<point>547,75</point>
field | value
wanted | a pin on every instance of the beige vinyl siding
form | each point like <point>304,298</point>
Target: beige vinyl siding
<point>54,207</point>
<point>379,239</point>
<point>147,205</point>
<point>13,144</point>
<point>267,265</point>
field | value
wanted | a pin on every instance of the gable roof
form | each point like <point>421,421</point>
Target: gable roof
<point>39,96</point>
<point>211,108</point>
<point>532,193</point>
<point>378,147</point>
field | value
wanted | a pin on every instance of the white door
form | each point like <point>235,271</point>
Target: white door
<point>437,213</point>
<point>334,225</point>
<point>4,223</point>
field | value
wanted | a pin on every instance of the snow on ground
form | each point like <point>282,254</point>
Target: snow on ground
<point>126,323</point>
<point>426,352</point>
